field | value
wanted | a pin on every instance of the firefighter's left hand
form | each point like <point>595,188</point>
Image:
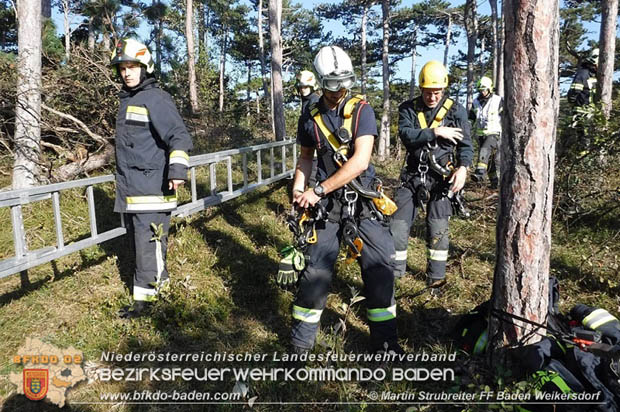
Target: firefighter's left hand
<point>457,181</point>
<point>173,184</point>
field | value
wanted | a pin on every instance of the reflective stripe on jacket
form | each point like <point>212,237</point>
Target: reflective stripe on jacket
<point>152,147</point>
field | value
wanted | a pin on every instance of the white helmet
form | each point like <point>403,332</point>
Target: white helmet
<point>485,83</point>
<point>334,68</point>
<point>306,78</point>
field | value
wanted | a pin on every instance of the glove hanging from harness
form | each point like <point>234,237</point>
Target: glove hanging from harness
<point>302,225</point>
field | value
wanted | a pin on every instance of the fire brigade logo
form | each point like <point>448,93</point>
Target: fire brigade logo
<point>36,383</point>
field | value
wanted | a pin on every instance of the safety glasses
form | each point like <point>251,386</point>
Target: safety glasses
<point>333,85</point>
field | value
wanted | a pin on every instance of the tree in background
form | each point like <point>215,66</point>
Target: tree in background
<point>607,45</point>
<point>191,70</point>
<point>275,25</point>
<point>413,25</point>
<point>383,150</point>
<point>27,146</point>
<point>355,15</point>
<point>523,236</point>
<point>471,27</point>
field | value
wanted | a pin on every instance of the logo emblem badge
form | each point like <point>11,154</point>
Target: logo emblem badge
<point>36,383</point>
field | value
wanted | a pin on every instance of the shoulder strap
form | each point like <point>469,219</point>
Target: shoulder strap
<point>348,112</point>
<point>441,113</point>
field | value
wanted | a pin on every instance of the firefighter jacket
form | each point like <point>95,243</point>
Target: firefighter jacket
<point>152,146</point>
<point>416,138</point>
<point>582,89</point>
<point>487,115</point>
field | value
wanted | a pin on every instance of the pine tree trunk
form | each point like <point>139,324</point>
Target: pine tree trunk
<point>523,244</point>
<point>28,109</point>
<point>447,40</point>
<point>493,4</point>
<point>607,45</point>
<point>261,49</point>
<point>384,134</point>
<point>67,29</point>
<point>363,41</point>
<point>275,21</point>
<point>471,26</point>
<point>91,34</point>
<point>191,70</point>
<point>223,72</point>
<point>414,42</point>
<point>499,87</point>
<point>158,35</point>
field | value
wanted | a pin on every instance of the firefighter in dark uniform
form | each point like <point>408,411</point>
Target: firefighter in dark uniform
<point>432,127</point>
<point>152,146</point>
<point>316,130</point>
<point>582,89</point>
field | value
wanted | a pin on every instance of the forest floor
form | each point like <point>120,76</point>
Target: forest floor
<point>223,299</point>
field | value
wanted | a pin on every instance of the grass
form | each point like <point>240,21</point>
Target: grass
<point>223,299</point>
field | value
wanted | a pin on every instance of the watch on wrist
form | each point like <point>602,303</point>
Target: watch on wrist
<point>319,190</point>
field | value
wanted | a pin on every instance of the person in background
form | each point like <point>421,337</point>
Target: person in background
<point>432,127</point>
<point>486,114</point>
<point>152,159</point>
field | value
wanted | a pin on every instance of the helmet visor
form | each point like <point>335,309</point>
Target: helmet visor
<point>333,85</point>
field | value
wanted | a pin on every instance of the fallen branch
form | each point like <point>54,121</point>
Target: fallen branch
<point>71,170</point>
<point>100,139</point>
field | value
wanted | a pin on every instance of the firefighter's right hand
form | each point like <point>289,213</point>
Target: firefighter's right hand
<point>452,134</point>
<point>292,263</point>
<point>306,199</point>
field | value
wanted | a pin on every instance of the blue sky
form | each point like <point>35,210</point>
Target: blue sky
<point>404,66</point>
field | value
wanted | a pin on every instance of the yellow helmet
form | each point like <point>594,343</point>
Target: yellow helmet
<point>130,50</point>
<point>433,76</point>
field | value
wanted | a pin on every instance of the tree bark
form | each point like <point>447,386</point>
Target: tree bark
<point>447,41</point>
<point>364,51</point>
<point>414,42</point>
<point>28,109</point>
<point>471,26</point>
<point>158,36</point>
<point>91,34</point>
<point>67,28</point>
<point>493,4</point>
<point>191,70</point>
<point>499,87</point>
<point>523,237</point>
<point>261,49</point>
<point>384,134</point>
<point>222,72</point>
<point>275,21</point>
<point>607,45</point>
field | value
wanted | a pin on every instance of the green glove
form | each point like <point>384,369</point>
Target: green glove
<point>292,263</point>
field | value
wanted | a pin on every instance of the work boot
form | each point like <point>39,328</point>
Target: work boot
<point>138,309</point>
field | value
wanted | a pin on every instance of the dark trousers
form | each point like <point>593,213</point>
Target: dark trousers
<point>150,248</point>
<point>489,148</point>
<point>437,231</point>
<point>376,262</point>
